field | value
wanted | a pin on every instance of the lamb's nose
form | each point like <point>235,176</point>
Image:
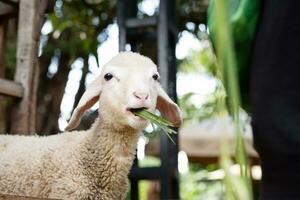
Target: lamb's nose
<point>141,96</point>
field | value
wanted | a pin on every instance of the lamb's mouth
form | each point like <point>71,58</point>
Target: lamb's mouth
<point>133,110</point>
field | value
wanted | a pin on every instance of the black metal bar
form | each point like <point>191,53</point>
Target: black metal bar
<point>134,190</point>
<point>167,67</point>
<point>145,173</point>
<point>141,36</point>
<point>172,32</point>
<point>131,32</point>
<point>134,184</point>
<point>138,23</point>
<point>127,9</point>
<point>121,24</point>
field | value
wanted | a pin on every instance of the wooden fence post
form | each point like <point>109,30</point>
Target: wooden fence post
<point>31,13</point>
<point>2,71</point>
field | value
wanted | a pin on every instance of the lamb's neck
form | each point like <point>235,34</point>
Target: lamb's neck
<point>107,157</point>
<point>121,141</point>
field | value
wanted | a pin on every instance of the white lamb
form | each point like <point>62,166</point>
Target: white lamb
<point>91,164</point>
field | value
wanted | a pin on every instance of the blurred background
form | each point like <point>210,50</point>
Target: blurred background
<point>78,37</point>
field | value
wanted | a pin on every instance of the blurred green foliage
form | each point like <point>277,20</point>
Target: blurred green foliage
<point>202,61</point>
<point>10,53</point>
<point>77,26</point>
<point>207,110</point>
<point>243,17</point>
<point>195,187</point>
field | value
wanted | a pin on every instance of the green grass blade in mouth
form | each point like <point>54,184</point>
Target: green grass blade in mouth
<point>168,134</point>
<point>164,124</point>
<point>151,117</point>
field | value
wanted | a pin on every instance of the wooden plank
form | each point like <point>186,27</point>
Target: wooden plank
<point>10,88</point>
<point>3,116</point>
<point>2,41</point>
<point>12,197</point>
<point>10,2</point>
<point>31,15</point>
<point>7,10</point>
<point>32,121</point>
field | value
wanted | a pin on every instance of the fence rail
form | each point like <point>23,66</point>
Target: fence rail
<point>11,88</point>
<point>12,197</point>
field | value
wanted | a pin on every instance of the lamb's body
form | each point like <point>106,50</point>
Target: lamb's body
<point>76,165</point>
<point>91,164</point>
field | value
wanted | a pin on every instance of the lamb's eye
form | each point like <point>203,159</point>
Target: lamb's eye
<point>108,76</point>
<point>155,76</point>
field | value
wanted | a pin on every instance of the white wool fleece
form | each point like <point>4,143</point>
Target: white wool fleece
<point>91,164</point>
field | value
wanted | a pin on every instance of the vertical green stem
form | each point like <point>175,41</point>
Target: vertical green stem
<point>227,62</point>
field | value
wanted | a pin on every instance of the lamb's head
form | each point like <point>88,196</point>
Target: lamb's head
<point>128,81</point>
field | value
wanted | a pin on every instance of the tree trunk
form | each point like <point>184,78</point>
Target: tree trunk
<point>81,88</point>
<point>50,100</point>
<point>43,96</point>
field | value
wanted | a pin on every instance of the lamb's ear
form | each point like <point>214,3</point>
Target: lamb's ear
<point>88,99</point>
<point>167,108</point>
